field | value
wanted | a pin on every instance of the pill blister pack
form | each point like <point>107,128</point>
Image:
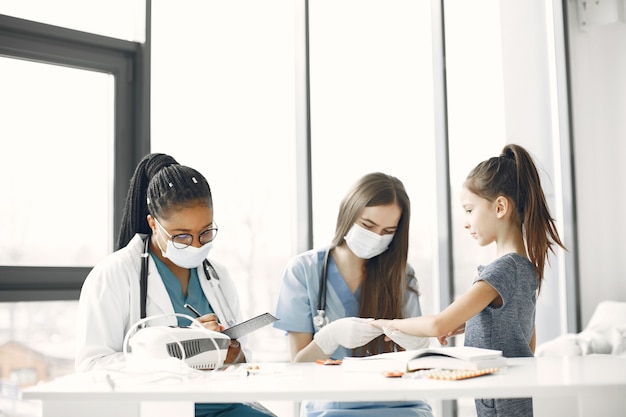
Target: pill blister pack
<point>443,374</point>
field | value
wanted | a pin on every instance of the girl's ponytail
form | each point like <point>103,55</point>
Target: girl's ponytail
<point>532,209</point>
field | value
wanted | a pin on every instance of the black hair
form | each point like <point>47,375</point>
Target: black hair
<point>158,185</point>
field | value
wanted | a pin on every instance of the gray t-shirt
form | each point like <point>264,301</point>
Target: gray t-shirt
<point>509,327</point>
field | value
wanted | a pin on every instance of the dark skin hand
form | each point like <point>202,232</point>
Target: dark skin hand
<point>235,355</point>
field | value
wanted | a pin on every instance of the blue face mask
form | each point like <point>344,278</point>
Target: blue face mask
<point>366,244</point>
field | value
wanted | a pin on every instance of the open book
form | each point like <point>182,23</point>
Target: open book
<point>454,357</point>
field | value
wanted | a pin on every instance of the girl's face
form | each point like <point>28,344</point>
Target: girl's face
<point>480,217</point>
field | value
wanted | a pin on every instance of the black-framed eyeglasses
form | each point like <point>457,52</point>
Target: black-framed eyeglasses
<point>181,241</point>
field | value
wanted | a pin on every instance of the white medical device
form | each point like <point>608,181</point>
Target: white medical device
<point>201,348</point>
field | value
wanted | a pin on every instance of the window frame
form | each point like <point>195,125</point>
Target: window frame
<point>128,62</point>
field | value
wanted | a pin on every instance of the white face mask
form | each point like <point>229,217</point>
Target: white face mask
<point>366,244</point>
<point>189,257</point>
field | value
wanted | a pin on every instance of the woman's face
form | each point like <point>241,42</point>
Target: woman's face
<point>192,220</point>
<point>382,220</point>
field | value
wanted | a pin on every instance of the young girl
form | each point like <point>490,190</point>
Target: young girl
<point>504,203</point>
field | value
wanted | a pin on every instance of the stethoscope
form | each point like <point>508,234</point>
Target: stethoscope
<point>211,276</point>
<point>320,320</point>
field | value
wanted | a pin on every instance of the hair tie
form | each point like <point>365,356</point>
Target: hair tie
<point>508,154</point>
<point>195,181</point>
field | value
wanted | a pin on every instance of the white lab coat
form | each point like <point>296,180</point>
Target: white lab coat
<point>109,304</point>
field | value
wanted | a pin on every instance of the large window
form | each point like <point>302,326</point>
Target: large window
<point>69,130</point>
<point>120,19</point>
<point>282,105</point>
<point>51,115</point>
<point>492,100</point>
<point>372,110</point>
<point>223,103</point>
<point>71,127</point>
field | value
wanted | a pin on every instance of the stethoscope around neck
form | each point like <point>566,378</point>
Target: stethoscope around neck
<point>211,275</point>
<point>321,319</point>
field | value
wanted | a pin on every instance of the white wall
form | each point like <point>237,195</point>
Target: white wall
<point>597,68</point>
<point>532,114</point>
<point>598,80</point>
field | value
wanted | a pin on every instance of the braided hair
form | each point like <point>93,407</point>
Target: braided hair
<point>158,185</point>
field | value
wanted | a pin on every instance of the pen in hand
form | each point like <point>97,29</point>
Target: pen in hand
<point>193,310</point>
<point>209,322</point>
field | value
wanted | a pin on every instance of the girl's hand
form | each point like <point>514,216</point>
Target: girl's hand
<point>209,321</point>
<point>349,332</point>
<point>380,323</point>
<point>444,339</point>
<point>405,341</point>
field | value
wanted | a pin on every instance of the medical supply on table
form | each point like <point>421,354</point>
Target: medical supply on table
<point>198,347</point>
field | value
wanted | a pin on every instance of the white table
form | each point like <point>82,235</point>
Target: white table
<point>589,386</point>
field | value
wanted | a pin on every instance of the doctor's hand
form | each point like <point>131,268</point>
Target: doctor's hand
<point>235,354</point>
<point>209,321</point>
<point>404,340</point>
<point>349,332</point>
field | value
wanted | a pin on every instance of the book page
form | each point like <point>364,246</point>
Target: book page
<point>467,353</point>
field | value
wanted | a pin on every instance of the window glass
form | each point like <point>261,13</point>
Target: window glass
<point>476,125</point>
<point>223,103</point>
<point>57,136</point>
<point>475,114</point>
<point>34,348</point>
<point>372,110</point>
<point>121,19</point>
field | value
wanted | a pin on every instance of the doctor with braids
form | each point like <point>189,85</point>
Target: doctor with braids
<point>504,203</point>
<point>160,265</point>
<point>328,296</point>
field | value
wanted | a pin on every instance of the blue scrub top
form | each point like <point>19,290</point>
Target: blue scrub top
<point>297,305</point>
<point>297,300</point>
<point>195,296</point>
